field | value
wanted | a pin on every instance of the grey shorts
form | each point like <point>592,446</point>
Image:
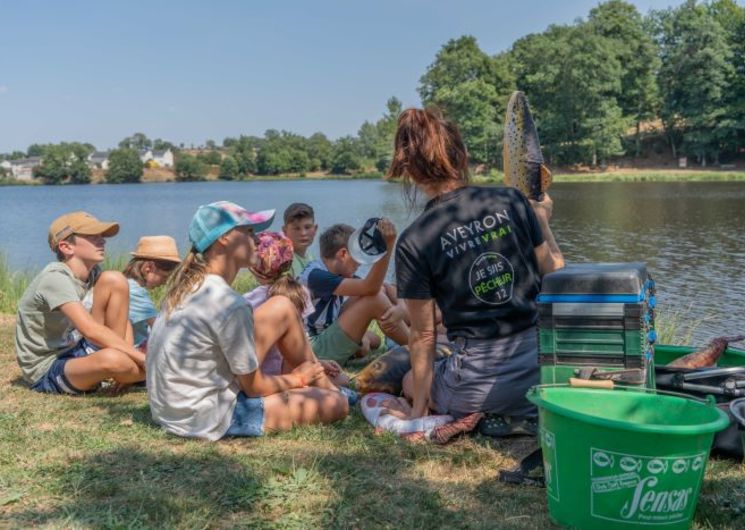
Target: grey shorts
<point>488,376</point>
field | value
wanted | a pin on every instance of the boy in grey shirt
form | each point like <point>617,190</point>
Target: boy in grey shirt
<point>61,346</point>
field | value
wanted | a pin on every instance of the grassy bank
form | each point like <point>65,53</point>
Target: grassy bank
<point>630,175</point>
<point>99,462</point>
<point>14,283</point>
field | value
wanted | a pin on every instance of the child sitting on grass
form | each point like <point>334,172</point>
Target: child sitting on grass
<point>345,305</point>
<point>300,227</point>
<point>152,263</point>
<point>274,257</point>
<point>207,345</point>
<point>61,346</point>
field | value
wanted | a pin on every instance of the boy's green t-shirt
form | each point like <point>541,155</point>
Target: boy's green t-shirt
<point>43,332</point>
<point>299,263</point>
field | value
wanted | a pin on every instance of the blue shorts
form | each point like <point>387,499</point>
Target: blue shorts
<point>248,417</point>
<point>54,381</point>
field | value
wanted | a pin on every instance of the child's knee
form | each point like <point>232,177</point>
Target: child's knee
<point>116,363</point>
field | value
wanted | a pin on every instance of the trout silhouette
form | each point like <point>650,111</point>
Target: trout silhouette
<point>521,151</point>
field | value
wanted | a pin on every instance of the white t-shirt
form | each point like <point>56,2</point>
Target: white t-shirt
<point>193,357</point>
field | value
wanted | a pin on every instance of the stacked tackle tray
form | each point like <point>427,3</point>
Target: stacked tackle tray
<point>596,321</point>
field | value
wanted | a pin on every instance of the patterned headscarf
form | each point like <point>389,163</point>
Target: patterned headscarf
<point>274,255</point>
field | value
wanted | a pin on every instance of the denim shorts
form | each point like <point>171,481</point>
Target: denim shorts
<point>54,381</point>
<point>248,417</point>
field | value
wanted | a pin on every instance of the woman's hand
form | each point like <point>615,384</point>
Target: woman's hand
<point>543,209</point>
<point>308,372</point>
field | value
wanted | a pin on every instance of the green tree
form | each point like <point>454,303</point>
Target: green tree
<point>163,145</point>
<point>36,150</point>
<point>572,78</point>
<point>637,54</point>
<point>228,168</point>
<point>188,168</point>
<point>472,90</point>
<point>211,158</point>
<point>319,151</point>
<point>64,163</point>
<point>125,166</point>
<point>138,141</point>
<point>731,17</point>
<point>346,157</point>
<point>693,79</point>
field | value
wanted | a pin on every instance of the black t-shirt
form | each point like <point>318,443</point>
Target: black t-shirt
<point>473,251</point>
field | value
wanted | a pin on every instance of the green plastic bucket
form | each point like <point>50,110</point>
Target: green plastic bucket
<point>623,458</point>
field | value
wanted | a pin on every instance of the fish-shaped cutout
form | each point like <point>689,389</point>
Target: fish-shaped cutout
<point>521,151</point>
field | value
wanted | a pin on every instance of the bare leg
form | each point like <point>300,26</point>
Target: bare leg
<point>304,406</point>
<point>277,322</point>
<point>84,373</point>
<point>357,314</point>
<point>111,302</point>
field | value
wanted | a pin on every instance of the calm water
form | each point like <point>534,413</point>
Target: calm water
<point>690,235</point>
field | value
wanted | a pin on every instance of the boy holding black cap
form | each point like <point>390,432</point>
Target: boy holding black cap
<point>61,346</point>
<point>345,304</point>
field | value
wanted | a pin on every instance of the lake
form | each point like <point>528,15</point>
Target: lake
<point>689,234</point>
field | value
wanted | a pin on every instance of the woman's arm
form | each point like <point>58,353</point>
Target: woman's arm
<point>422,349</point>
<point>548,253</point>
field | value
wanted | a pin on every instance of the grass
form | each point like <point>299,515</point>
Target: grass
<point>629,175</point>
<point>14,283</point>
<point>100,462</point>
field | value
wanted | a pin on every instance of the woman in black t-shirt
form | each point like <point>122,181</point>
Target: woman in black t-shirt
<point>478,255</point>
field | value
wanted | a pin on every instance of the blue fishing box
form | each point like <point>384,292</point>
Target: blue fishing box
<point>594,319</point>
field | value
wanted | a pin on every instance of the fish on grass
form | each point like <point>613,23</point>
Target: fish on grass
<point>521,151</point>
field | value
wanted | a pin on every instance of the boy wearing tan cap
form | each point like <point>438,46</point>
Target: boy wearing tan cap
<point>56,336</point>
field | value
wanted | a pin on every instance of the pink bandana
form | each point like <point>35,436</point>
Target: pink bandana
<point>274,255</point>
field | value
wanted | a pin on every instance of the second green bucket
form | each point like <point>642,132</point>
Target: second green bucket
<point>623,458</point>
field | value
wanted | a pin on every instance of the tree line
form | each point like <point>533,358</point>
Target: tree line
<point>597,88</point>
<point>595,85</point>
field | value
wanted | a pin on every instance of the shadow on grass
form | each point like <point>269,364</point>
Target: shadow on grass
<point>253,486</point>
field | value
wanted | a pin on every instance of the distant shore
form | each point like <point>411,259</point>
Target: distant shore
<point>493,177</point>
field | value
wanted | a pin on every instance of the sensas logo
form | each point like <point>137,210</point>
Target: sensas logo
<point>648,501</point>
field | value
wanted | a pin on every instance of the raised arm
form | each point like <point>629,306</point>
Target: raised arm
<point>548,253</point>
<point>371,284</point>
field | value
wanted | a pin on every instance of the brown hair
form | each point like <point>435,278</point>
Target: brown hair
<point>298,211</point>
<point>333,239</point>
<point>133,269</point>
<point>186,279</point>
<point>428,149</point>
<point>57,252</point>
<point>290,287</point>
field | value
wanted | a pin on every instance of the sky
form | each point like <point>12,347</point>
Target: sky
<point>189,71</point>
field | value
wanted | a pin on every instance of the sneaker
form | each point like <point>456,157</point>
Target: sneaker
<point>498,426</point>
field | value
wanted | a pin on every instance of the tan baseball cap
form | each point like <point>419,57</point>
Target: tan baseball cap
<point>79,223</point>
<point>162,248</point>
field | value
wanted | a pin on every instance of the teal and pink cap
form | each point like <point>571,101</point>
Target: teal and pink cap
<point>217,218</point>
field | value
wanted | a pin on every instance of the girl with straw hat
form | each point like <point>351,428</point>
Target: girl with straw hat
<point>153,261</point>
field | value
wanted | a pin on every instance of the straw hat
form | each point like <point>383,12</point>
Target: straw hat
<point>161,248</point>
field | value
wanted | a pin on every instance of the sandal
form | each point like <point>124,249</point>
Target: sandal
<point>498,426</point>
